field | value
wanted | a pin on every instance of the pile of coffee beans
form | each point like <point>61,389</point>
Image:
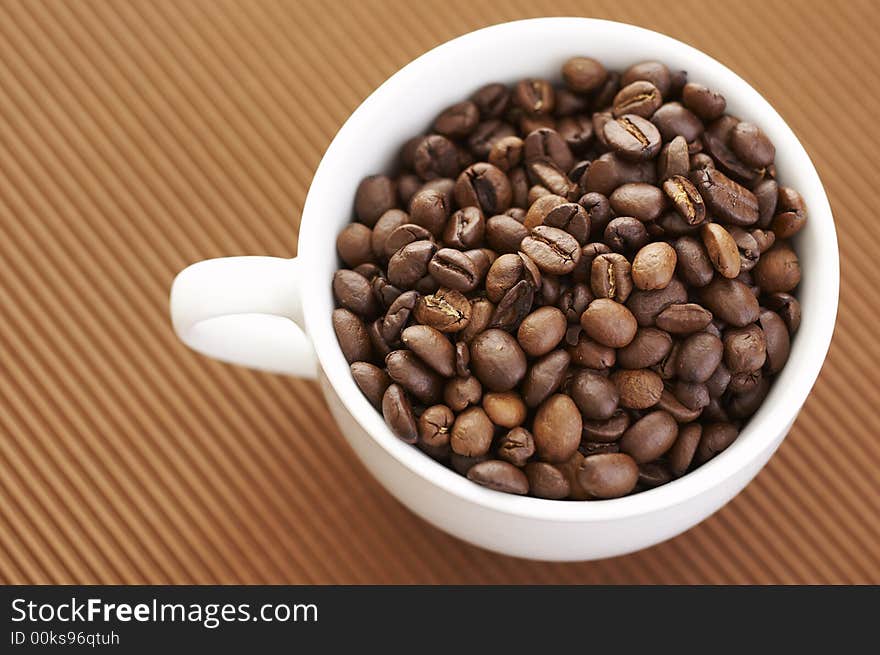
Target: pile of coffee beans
<point>576,290</point>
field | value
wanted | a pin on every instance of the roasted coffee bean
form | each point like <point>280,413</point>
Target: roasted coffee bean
<point>776,340</point>
<point>513,306</point>
<point>557,429</point>
<point>716,437</point>
<point>655,72</point>
<point>701,160</point>
<point>504,233</point>
<point>625,234</point>
<point>686,199</point>
<point>432,347</point>
<point>684,318</point>
<point>731,301</point>
<point>648,347</point>
<point>352,291</point>
<point>462,392</point>
<point>458,120</point>
<point>599,119</point>
<point>381,347</point>
<point>714,411</point>
<point>669,403</point>
<point>583,74</point>
<point>551,289</point>
<point>764,240</point>
<point>507,271</point>
<point>541,331</point>
<point>726,200</point>
<point>607,430</point>
<point>596,396</point>
<point>398,315</point>
<point>610,277</point>
<point>578,134</point>
<point>722,250</point>
<point>398,413</point>
<point>546,481</point>
<point>584,266</point>
<point>446,310</point>
<point>410,264</point>
<point>673,225</point>
<point>481,311</point>
<point>482,258</point>
<point>589,448</point>
<point>539,210</point>
<point>534,96</point>
<point>751,145</point>
<point>507,153</point>
<point>429,209</point>
<point>745,349</point>
<point>499,476</point>
<point>746,382</point>
<point>546,174</point>
<point>747,247</point>
<point>553,250</point>
<point>718,382</point>
<point>403,236</point>
<point>728,163</point>
<point>465,229</point>
<point>492,100</point>
<point>486,135</point>
<point>454,270</point>
<point>472,433</point>
<point>653,266</point>
<point>547,144</point>
<point>653,474</point>
<point>371,380</point>
<point>569,104</point>
<point>407,370</point>
<point>698,357</point>
<point>672,120</point>
<point>637,389</point>
<point>497,360</point>
<point>610,170</point>
<point>646,305</point>
<point>673,160</point>
<point>640,98</point>
<point>408,151</point>
<point>767,195</point>
<point>693,395</point>
<point>667,367</point>
<point>694,265</point>
<point>649,437</point>
<point>387,223</point>
<point>462,359</point>
<point>639,200</point>
<point>705,103</point>
<point>681,454</point>
<point>609,322</point>
<point>789,309</point>
<point>485,186</point>
<point>632,137</point>
<point>591,354</point>
<point>436,156</point>
<point>354,341</point>
<point>505,409</point>
<point>603,96</point>
<point>435,426</point>
<point>571,218</point>
<point>743,405</point>
<point>517,446</point>
<point>791,214</point>
<point>375,195</point>
<point>461,464</point>
<point>608,475</point>
<point>354,244</point>
<point>544,377</point>
<point>598,209</point>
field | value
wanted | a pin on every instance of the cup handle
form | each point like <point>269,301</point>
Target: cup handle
<point>244,310</point>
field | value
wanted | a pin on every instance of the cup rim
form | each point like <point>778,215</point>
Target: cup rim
<point>765,429</point>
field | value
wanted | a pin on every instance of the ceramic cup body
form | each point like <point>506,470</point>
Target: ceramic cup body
<point>275,314</point>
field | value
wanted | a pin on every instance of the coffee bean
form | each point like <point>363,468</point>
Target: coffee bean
<point>513,306</point>
<point>646,305</point>
<point>497,360</point>
<point>429,209</point>
<point>640,98</point>
<point>705,103</point>
<point>669,403</point>
<point>596,396</point>
<point>747,247</point>
<point>611,170</point>
<point>544,377</point>
<point>777,340</point>
<point>648,347</point>
<point>655,72</point>
<point>481,311</point>
<point>465,229</point>
<point>718,382</point>
<point>589,448</point>
<point>608,475</point>
<point>553,250</point>
<point>684,318</point>
<point>767,195</point>
<point>578,134</point>
<point>716,437</point>
<point>454,270</point>
<point>507,153</point>
<point>461,464</point>
<point>701,160</point>
<point>407,370</point>
<point>486,135</point>
<point>722,250</point>
<point>398,413</point>
<point>731,301</point>
<point>650,437</point>
<point>545,173</point>
<point>380,346</point>
<point>436,156</point>
<point>694,265</point>
<point>410,264</point>
<point>447,310</point>
<point>764,240</point>
<point>352,335</point>
<point>727,161</point>
<point>387,223</point>
<point>789,309</point>
<point>653,266</point>
<point>432,347</point>
<point>698,357</point>
<point>547,481</point>
<point>371,380</point>
<point>637,389</point>
<point>375,195</point>
<point>693,395</point>
<point>672,120</point>
<point>557,429</point>
<point>541,331</point>
<point>673,159</point>
<point>398,315</point>
<point>639,200</point>
<point>610,277</point>
<point>608,322</point>
<point>726,200</point>
<point>435,426</point>
<point>667,368</point>
<point>745,349</point>
<point>686,199</point>
<point>547,144</point>
<point>682,452</point>
<point>743,405</point>
<point>591,354</point>
<point>607,430</point>
<point>492,100</point>
<point>517,446</point>
<point>403,236</point>
<point>632,137</point>
<point>462,392</point>
<point>353,292</point>
<point>472,433</point>
<point>791,214</point>
<point>571,218</point>
<point>569,103</point>
<point>499,476</point>
<point>751,145</point>
<point>583,74</point>
<point>507,271</point>
<point>354,244</point>
<point>504,233</point>
<point>625,233</point>
<point>485,186</point>
<point>505,409</point>
<point>534,96</point>
<point>458,120</point>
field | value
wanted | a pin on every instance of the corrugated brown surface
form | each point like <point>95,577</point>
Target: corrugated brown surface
<point>138,137</point>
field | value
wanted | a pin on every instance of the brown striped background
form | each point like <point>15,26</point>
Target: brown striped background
<point>138,137</point>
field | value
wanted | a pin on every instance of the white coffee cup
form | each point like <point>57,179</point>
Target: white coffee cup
<point>274,314</point>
